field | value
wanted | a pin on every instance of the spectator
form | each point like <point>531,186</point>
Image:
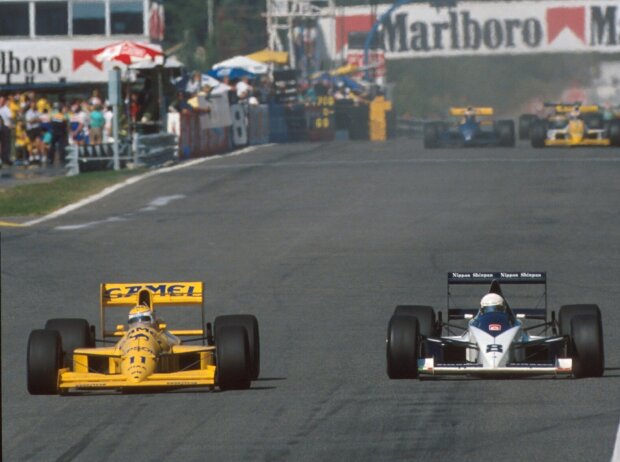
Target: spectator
<point>95,99</point>
<point>134,108</point>
<point>22,144</point>
<point>181,105</point>
<point>194,84</point>
<point>97,122</point>
<point>33,129</point>
<point>5,144</point>
<point>244,89</point>
<point>76,125</point>
<point>60,134</point>
<point>108,115</point>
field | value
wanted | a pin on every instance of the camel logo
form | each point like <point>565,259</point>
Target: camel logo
<point>571,18</point>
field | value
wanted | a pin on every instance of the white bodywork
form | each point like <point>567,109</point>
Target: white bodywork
<point>494,355</point>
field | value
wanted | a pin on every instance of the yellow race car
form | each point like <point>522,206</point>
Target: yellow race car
<point>63,357</point>
<point>574,125</point>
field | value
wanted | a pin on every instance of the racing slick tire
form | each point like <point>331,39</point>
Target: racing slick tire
<point>431,135</point>
<point>74,333</point>
<point>538,134</point>
<point>402,347</point>
<point>426,317</point>
<point>593,120</point>
<point>506,133</point>
<point>566,315</point>
<point>587,346</point>
<point>525,122</point>
<point>614,132</point>
<point>44,359</point>
<point>250,324</point>
<point>232,353</point>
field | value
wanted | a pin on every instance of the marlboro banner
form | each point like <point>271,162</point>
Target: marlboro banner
<point>485,28</point>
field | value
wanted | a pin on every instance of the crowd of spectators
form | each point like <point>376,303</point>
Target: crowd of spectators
<point>35,130</point>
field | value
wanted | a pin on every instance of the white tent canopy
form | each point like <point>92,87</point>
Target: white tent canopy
<point>245,63</point>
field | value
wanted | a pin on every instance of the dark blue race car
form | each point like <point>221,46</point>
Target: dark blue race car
<point>469,129</point>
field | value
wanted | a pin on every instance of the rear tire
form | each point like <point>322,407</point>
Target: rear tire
<point>233,358</point>
<point>250,324</point>
<point>538,134</point>
<point>506,133</point>
<point>525,123</point>
<point>402,347</point>
<point>614,132</point>
<point>44,359</point>
<point>431,135</point>
<point>74,333</point>
<point>587,346</point>
<point>426,318</point>
<point>577,348</point>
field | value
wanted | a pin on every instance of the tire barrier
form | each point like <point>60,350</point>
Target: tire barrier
<point>238,113</point>
<point>320,120</point>
<point>258,124</point>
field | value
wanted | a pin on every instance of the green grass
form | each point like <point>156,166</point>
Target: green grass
<point>41,198</point>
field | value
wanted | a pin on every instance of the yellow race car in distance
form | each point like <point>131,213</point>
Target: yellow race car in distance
<point>63,357</point>
<point>574,125</point>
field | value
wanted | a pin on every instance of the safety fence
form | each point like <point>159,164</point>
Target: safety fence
<point>217,127</point>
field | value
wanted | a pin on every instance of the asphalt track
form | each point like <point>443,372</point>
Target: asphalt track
<point>321,241</point>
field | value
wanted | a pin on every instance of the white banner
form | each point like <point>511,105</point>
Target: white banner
<point>46,61</point>
<point>484,28</point>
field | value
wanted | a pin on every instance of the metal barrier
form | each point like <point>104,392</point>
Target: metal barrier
<point>412,128</point>
<point>147,150</point>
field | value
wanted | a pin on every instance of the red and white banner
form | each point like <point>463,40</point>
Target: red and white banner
<point>485,28</point>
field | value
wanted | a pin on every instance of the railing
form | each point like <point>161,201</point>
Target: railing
<point>144,150</point>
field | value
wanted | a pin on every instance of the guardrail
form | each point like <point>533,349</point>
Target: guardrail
<point>412,128</point>
<point>144,150</point>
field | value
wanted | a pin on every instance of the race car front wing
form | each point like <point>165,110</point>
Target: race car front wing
<point>562,366</point>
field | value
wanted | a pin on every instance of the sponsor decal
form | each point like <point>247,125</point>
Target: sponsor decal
<point>495,348</point>
<point>490,28</point>
<point>13,64</point>
<point>495,327</point>
<point>81,57</point>
<point>161,289</point>
<point>562,18</point>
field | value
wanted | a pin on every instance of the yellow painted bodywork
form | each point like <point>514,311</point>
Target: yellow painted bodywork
<point>576,136</point>
<point>479,111</point>
<point>566,108</point>
<point>144,356</point>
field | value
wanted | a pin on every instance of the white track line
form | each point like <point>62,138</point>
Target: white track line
<point>134,179</point>
<point>615,457</point>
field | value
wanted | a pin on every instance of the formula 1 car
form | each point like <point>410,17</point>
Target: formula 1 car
<point>495,343</point>
<point>572,125</point>
<point>63,356</point>
<point>468,130</point>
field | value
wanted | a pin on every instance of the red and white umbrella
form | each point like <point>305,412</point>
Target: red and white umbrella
<point>128,52</point>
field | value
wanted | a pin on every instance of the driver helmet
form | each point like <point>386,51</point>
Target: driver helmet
<point>574,114</point>
<point>141,314</point>
<point>492,303</point>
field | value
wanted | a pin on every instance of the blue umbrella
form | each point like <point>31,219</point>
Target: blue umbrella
<point>230,72</point>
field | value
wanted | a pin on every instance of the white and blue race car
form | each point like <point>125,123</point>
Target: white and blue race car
<point>495,341</point>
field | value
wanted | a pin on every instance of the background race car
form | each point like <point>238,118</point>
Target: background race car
<point>470,128</point>
<point>511,341</point>
<point>570,124</point>
<point>63,356</point>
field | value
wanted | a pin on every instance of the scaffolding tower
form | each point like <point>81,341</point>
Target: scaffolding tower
<point>282,16</point>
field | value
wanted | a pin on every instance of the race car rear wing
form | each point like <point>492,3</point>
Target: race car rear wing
<point>495,280</point>
<point>479,111</point>
<point>170,294</point>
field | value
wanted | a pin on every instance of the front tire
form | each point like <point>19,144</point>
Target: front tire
<point>233,358</point>
<point>44,359</point>
<point>426,318</point>
<point>587,346</point>
<point>614,132</point>
<point>506,133</point>
<point>431,135</point>
<point>402,347</point>
<point>538,134</point>
<point>74,333</point>
<point>250,324</point>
